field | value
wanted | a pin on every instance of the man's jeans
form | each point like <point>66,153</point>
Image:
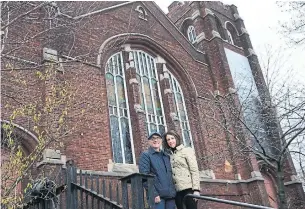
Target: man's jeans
<point>166,204</point>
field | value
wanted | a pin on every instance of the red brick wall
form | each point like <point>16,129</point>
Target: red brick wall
<point>89,145</point>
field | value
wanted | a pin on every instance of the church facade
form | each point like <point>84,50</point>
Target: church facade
<point>138,70</point>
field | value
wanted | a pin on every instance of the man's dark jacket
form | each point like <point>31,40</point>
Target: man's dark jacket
<point>158,164</point>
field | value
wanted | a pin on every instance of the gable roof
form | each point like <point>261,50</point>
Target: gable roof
<point>162,18</point>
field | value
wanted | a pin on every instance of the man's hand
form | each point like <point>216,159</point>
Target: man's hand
<point>157,199</point>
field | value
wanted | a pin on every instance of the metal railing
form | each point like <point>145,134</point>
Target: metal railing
<point>229,202</point>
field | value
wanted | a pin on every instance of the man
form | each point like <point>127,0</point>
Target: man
<point>154,161</point>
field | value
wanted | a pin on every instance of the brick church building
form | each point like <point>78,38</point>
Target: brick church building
<point>139,70</point>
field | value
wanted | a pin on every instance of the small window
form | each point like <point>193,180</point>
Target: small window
<point>232,34</point>
<point>142,12</point>
<point>191,34</point>
<point>230,37</point>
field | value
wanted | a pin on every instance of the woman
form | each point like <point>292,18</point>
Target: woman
<point>185,170</point>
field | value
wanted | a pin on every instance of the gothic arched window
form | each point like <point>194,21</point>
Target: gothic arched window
<point>232,33</point>
<point>181,110</point>
<point>151,103</point>
<point>191,34</point>
<point>118,110</point>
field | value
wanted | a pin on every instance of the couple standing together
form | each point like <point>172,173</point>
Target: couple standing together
<point>175,170</point>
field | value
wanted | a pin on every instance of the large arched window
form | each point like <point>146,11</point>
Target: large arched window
<point>191,34</point>
<point>151,102</point>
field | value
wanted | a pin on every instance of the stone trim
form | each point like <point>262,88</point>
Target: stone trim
<point>236,16</point>
<point>127,47</point>
<point>50,55</point>
<point>208,12</point>
<point>133,81</point>
<point>51,156</point>
<point>243,30</point>
<point>227,181</point>
<point>160,60</point>
<point>168,91</point>
<point>195,14</point>
<point>130,63</point>
<point>256,174</point>
<point>102,10</point>
<point>216,34</point>
<point>200,37</point>
<point>138,108</point>
<point>294,180</point>
<point>206,174</point>
<point>165,75</point>
<point>174,116</point>
<point>122,168</point>
<point>251,52</point>
<point>238,176</point>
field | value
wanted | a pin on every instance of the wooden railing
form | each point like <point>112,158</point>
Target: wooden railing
<point>78,189</point>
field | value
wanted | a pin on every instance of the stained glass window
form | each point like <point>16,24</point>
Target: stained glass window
<point>150,91</point>
<point>151,102</point>
<point>181,111</point>
<point>118,110</point>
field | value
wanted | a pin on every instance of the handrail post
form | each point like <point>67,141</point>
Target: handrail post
<point>69,178</point>
<point>137,181</point>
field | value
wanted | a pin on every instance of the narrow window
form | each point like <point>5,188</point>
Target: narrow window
<point>230,37</point>
<point>150,92</point>
<point>191,34</point>
<point>118,110</point>
<point>181,111</point>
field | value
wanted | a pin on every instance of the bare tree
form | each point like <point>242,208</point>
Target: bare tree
<point>40,57</point>
<point>274,123</point>
<point>294,28</point>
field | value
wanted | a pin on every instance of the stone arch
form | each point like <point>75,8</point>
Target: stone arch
<point>232,33</point>
<point>28,140</point>
<point>185,25</point>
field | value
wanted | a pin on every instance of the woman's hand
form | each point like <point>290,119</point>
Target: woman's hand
<point>157,199</point>
<point>197,194</point>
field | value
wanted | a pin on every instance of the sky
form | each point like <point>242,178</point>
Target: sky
<point>261,19</point>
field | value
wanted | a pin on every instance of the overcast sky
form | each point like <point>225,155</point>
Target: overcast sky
<point>261,19</point>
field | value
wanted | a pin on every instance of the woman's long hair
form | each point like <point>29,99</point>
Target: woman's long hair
<point>173,133</point>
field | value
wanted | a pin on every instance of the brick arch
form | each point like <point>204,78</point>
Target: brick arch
<point>116,43</point>
<point>185,24</point>
<point>233,31</point>
<point>229,24</point>
<point>269,174</point>
<point>28,140</point>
